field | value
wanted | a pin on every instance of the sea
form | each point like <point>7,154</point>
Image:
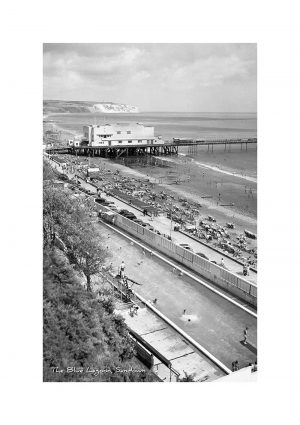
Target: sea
<point>231,173</point>
<point>197,125</point>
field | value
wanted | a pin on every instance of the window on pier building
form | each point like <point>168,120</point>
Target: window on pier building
<point>118,132</point>
<point>129,132</point>
<point>129,141</point>
<point>139,141</point>
<point>120,141</point>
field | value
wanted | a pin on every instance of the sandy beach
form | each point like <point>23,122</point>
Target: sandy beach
<point>224,183</point>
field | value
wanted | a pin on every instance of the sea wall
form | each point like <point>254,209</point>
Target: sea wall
<point>232,283</point>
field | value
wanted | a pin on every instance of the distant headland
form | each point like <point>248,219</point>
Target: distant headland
<point>74,106</point>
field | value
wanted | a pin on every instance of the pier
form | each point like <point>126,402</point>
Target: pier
<point>167,148</point>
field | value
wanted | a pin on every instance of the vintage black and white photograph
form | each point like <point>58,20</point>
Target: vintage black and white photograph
<point>150,212</point>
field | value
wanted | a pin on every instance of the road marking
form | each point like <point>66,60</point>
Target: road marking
<point>182,270</point>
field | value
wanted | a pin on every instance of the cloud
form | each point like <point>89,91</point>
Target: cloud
<point>132,73</point>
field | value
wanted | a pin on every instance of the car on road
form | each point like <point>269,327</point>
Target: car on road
<point>127,214</point>
<point>100,200</point>
<point>186,246</point>
<point>131,216</point>
<point>137,221</point>
<point>113,208</point>
<point>202,255</point>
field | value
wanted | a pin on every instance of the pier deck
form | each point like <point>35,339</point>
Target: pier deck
<point>169,148</point>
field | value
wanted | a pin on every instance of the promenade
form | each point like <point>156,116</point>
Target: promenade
<point>165,226</point>
<point>184,358</point>
<point>215,323</point>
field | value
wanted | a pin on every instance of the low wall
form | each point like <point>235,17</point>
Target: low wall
<point>214,248</point>
<point>223,278</point>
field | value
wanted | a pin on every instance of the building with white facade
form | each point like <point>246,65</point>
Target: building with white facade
<point>119,134</point>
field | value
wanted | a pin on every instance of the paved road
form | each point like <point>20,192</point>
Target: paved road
<point>215,323</point>
<point>163,224</point>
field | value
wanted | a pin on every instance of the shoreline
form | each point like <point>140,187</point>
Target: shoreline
<point>205,180</point>
<point>222,214</point>
<point>215,168</point>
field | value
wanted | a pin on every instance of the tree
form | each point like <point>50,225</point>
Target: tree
<point>80,332</point>
<point>86,253</point>
<point>69,219</point>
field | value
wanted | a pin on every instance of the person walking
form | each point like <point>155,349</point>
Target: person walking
<point>245,335</point>
<point>122,269</point>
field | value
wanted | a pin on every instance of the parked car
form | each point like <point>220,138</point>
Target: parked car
<point>202,255</point>
<point>113,208</point>
<point>186,246</point>
<point>100,200</point>
<point>128,214</point>
<point>137,221</point>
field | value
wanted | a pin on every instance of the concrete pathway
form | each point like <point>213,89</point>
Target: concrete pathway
<point>214,322</point>
<point>170,344</point>
<point>163,225</point>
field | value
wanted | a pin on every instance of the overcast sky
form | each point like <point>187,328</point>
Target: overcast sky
<point>154,77</point>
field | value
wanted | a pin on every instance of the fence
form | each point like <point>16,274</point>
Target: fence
<point>234,284</point>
